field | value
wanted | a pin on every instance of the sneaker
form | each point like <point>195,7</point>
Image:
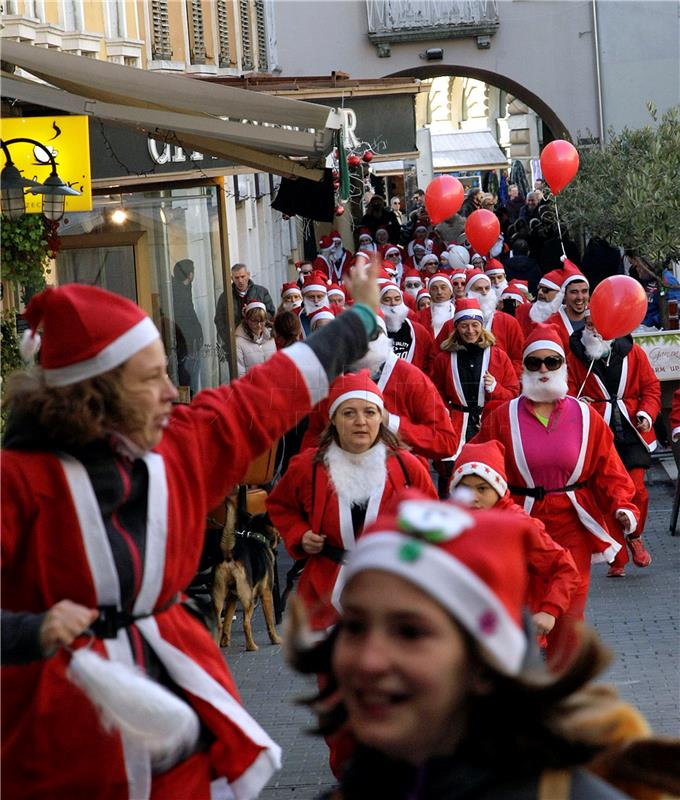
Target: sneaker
<point>616,572</point>
<point>641,557</point>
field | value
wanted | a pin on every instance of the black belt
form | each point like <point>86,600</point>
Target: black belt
<point>336,554</point>
<point>112,619</point>
<point>256,535</point>
<point>472,409</point>
<point>539,492</point>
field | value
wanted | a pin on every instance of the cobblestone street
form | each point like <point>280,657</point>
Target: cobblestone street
<point>637,616</point>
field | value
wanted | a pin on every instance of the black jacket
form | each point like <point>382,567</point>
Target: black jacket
<point>253,292</point>
<point>524,268</point>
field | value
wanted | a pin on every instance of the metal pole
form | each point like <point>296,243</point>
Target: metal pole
<point>230,345</point>
<point>598,74</point>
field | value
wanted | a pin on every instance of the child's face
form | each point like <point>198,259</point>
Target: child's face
<point>484,495</point>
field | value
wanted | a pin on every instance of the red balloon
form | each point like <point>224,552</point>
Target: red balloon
<point>443,197</point>
<point>339,211</point>
<point>617,306</point>
<point>482,229</point>
<point>559,164</point>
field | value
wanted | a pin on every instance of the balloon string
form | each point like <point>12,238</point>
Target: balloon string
<point>559,228</point>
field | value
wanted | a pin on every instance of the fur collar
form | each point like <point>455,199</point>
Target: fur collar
<point>356,476</point>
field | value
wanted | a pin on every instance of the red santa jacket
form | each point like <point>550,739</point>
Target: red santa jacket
<point>524,320</point>
<point>507,332</point>
<point>607,489</point>
<point>55,546</point>
<point>416,411</point>
<point>639,391</point>
<point>446,378</point>
<point>675,416</point>
<point>305,499</point>
<point>563,324</point>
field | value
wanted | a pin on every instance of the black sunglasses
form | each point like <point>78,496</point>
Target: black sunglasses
<point>552,363</point>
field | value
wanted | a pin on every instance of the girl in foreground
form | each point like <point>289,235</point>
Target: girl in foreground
<point>433,673</point>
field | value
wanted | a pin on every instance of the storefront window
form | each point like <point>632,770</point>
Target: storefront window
<point>162,250</point>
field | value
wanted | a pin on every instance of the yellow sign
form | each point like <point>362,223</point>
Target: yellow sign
<point>67,138</point>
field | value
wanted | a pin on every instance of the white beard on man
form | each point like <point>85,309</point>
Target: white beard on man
<point>540,310</point>
<point>487,302</point>
<point>499,288</point>
<point>412,287</point>
<point>375,356</point>
<point>595,346</point>
<point>441,313</point>
<point>291,305</point>
<point>394,316</point>
<point>310,306</point>
<point>545,387</point>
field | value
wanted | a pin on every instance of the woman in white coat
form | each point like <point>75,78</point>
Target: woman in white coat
<point>254,341</point>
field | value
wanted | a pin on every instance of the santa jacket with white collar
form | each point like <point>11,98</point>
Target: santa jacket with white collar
<point>319,498</point>
<point>57,543</point>
<point>606,488</point>
<point>421,350</point>
<point>416,411</point>
<point>638,393</point>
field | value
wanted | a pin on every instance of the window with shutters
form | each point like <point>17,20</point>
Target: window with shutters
<point>160,26</point>
<point>196,37</point>
<point>260,22</point>
<point>224,57</point>
<point>247,61</point>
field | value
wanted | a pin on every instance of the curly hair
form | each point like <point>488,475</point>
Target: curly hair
<point>75,414</point>
<point>454,342</point>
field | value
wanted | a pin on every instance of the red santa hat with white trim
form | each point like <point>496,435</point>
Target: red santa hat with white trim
<point>494,267</point>
<point>486,461</point>
<point>523,286</point>
<point>288,288</point>
<point>467,308</point>
<point>335,236</point>
<point>253,305</point>
<point>440,277</point>
<point>513,292</point>
<point>354,385</point>
<point>553,280</point>
<point>386,287</point>
<point>543,337</point>
<point>424,292</point>
<point>458,274</point>
<point>393,250</point>
<point>86,331</point>
<point>572,274</point>
<point>325,243</point>
<point>473,277</point>
<point>336,290</point>
<point>323,313</point>
<point>430,258</point>
<point>472,563</point>
<point>316,281</point>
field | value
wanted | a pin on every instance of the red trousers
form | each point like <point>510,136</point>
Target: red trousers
<point>189,780</point>
<point>641,500</point>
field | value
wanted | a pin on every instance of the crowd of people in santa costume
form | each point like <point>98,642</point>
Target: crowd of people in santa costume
<point>470,448</point>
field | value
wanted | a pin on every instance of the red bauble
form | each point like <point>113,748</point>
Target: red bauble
<point>443,198</point>
<point>335,174</point>
<point>617,306</point>
<point>559,164</point>
<point>339,211</point>
<point>353,160</point>
<point>367,156</point>
<point>336,184</point>
<point>482,229</point>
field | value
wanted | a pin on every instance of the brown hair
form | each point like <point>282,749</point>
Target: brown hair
<point>330,434</point>
<point>75,414</point>
<point>287,327</point>
<point>454,342</point>
<point>254,315</point>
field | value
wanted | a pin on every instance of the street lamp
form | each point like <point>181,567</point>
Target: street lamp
<point>53,190</point>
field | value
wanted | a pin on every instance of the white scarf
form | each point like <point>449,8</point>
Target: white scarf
<point>355,476</point>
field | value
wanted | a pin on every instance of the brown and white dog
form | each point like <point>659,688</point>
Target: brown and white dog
<point>246,573</point>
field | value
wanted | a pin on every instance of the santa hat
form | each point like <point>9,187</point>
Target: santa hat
<point>486,461</point>
<point>335,236</point>
<point>458,275</point>
<point>253,305</point>
<point>553,280</point>
<point>320,314</point>
<point>365,232</point>
<point>86,331</point>
<point>419,246</point>
<point>572,274</point>
<point>445,256</point>
<point>472,563</point>
<point>473,277</point>
<point>392,250</point>
<point>440,277</point>
<point>383,229</point>
<point>513,292</point>
<point>424,292</point>
<point>336,289</point>
<point>325,243</point>
<point>543,337</point>
<point>287,288</point>
<point>386,287</point>
<point>523,286</point>
<point>430,258</point>
<point>315,282</point>
<point>411,272</point>
<point>384,276</point>
<point>494,267</point>
<point>467,308</point>
<point>420,228</point>
<point>354,385</point>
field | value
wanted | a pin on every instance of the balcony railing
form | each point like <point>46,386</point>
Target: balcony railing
<point>391,21</point>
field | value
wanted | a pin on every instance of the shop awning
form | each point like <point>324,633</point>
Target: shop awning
<point>466,150</point>
<point>273,134</point>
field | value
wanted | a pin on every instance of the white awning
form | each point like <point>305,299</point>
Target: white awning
<point>466,150</point>
<point>250,128</point>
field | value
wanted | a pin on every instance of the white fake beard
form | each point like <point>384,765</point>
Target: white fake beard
<point>375,356</point>
<point>356,476</point>
<point>487,302</point>
<point>310,306</point>
<point>499,288</point>
<point>540,310</point>
<point>595,346</point>
<point>441,312</point>
<point>413,290</point>
<point>394,316</point>
<point>545,392</point>
<point>291,305</point>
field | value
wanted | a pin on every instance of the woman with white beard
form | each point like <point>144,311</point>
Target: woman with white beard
<point>410,340</point>
<point>442,307</point>
<point>563,467</point>
<point>291,298</point>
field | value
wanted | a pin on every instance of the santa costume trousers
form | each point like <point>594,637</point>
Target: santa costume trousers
<point>641,500</point>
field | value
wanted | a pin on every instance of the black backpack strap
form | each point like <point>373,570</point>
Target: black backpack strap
<point>407,477</point>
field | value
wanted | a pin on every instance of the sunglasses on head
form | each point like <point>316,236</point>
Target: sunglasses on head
<point>552,363</point>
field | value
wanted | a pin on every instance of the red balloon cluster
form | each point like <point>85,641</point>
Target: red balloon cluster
<point>482,229</point>
<point>443,198</point>
<point>559,164</point>
<point>617,306</point>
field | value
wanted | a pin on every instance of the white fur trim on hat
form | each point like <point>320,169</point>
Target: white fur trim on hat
<point>440,279</point>
<point>356,394</point>
<point>454,586</point>
<point>430,257</point>
<point>483,471</point>
<point>575,279</point>
<point>253,304</point>
<point>289,290</point>
<point>469,313</point>
<point>391,250</point>
<point>543,344</point>
<point>315,287</point>
<point>475,279</point>
<point>514,296</point>
<point>122,348</point>
<point>454,275</point>
<point>386,288</point>
<point>549,284</point>
<point>337,291</point>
